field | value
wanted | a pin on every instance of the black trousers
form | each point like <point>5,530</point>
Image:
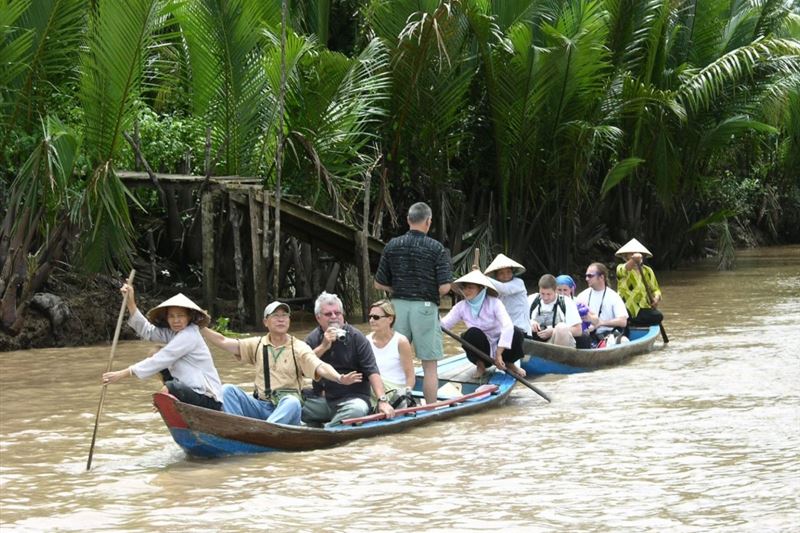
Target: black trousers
<point>478,339</point>
<point>187,395</point>
<point>646,317</point>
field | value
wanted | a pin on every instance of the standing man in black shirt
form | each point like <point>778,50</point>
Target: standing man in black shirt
<point>416,270</point>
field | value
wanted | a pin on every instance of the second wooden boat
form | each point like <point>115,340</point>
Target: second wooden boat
<point>546,358</point>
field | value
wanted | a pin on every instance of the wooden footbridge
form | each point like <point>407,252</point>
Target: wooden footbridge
<point>251,212</point>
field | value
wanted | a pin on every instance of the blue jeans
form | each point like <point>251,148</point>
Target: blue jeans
<point>237,402</point>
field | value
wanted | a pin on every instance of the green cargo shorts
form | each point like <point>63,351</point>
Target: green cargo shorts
<point>419,321</point>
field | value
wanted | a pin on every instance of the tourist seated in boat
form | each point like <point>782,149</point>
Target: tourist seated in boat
<point>638,286</point>
<point>347,350</point>
<point>185,362</point>
<point>511,290</point>
<point>554,318</point>
<point>489,328</point>
<point>607,311</point>
<point>566,286</point>
<point>283,360</point>
<point>392,352</point>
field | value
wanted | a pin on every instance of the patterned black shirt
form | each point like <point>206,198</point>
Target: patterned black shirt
<point>414,266</point>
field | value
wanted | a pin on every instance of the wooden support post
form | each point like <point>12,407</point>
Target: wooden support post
<point>362,240</point>
<point>259,279</point>
<point>236,224</point>
<point>207,227</point>
<point>333,275</point>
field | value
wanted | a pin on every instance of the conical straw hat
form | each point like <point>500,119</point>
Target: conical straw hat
<point>633,246</point>
<point>503,261</point>
<point>157,314</point>
<point>478,278</point>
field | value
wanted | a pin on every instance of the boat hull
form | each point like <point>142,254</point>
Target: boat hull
<point>545,358</point>
<point>206,433</point>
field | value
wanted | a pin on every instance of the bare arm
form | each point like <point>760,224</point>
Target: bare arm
<point>444,289</point>
<point>407,361</point>
<point>376,383</point>
<point>113,377</point>
<point>634,262</point>
<point>382,287</point>
<point>328,338</point>
<point>221,341</point>
<point>616,322</point>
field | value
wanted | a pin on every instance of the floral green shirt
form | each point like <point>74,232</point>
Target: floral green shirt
<point>631,287</point>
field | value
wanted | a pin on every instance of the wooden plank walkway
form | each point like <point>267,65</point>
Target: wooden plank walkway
<point>308,225</point>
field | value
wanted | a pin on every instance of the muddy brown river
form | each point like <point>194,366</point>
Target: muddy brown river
<point>701,435</point>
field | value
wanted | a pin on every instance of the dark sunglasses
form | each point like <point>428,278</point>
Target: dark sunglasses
<point>377,317</point>
<point>590,275</point>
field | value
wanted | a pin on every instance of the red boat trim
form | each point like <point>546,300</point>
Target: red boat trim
<point>482,391</point>
<point>166,406</point>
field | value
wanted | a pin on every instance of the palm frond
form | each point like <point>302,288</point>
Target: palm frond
<point>112,65</point>
<point>56,28</point>
<point>701,89</point>
<point>225,45</point>
<point>619,172</point>
<point>15,51</point>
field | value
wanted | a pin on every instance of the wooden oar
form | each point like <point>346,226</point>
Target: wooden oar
<point>650,299</point>
<point>108,369</point>
<point>483,390</point>
<point>488,361</point>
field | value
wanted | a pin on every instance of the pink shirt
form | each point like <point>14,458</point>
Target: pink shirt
<point>493,320</point>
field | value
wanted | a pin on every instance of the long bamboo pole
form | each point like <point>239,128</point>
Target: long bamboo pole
<point>108,369</point>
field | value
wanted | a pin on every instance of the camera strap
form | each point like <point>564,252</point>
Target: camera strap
<point>265,357</point>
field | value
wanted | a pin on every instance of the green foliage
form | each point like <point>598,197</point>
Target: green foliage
<point>171,143</point>
<point>221,326</point>
<point>532,127</point>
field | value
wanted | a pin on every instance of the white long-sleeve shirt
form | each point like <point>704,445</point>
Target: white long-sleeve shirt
<point>186,355</point>
<point>514,296</point>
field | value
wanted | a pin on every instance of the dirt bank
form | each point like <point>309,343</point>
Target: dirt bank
<point>92,307</point>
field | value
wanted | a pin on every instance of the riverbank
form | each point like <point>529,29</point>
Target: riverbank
<point>83,310</point>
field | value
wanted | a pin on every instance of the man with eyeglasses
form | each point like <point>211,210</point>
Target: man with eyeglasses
<point>607,311</point>
<point>281,362</point>
<point>348,351</point>
<point>416,270</point>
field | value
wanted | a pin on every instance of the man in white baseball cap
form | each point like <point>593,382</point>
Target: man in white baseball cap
<point>281,361</point>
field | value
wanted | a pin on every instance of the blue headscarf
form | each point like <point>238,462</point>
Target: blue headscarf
<point>476,303</point>
<point>564,279</point>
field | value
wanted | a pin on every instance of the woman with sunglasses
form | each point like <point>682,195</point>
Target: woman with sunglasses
<point>392,350</point>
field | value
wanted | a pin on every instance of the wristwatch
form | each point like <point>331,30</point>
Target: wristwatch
<point>383,398</point>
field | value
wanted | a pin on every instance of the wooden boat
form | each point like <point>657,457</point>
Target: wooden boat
<point>545,358</point>
<point>206,433</point>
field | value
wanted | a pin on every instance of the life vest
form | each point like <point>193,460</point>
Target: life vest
<point>560,304</point>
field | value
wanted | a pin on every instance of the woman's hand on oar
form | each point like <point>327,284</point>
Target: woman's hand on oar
<point>113,377</point>
<point>501,364</point>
